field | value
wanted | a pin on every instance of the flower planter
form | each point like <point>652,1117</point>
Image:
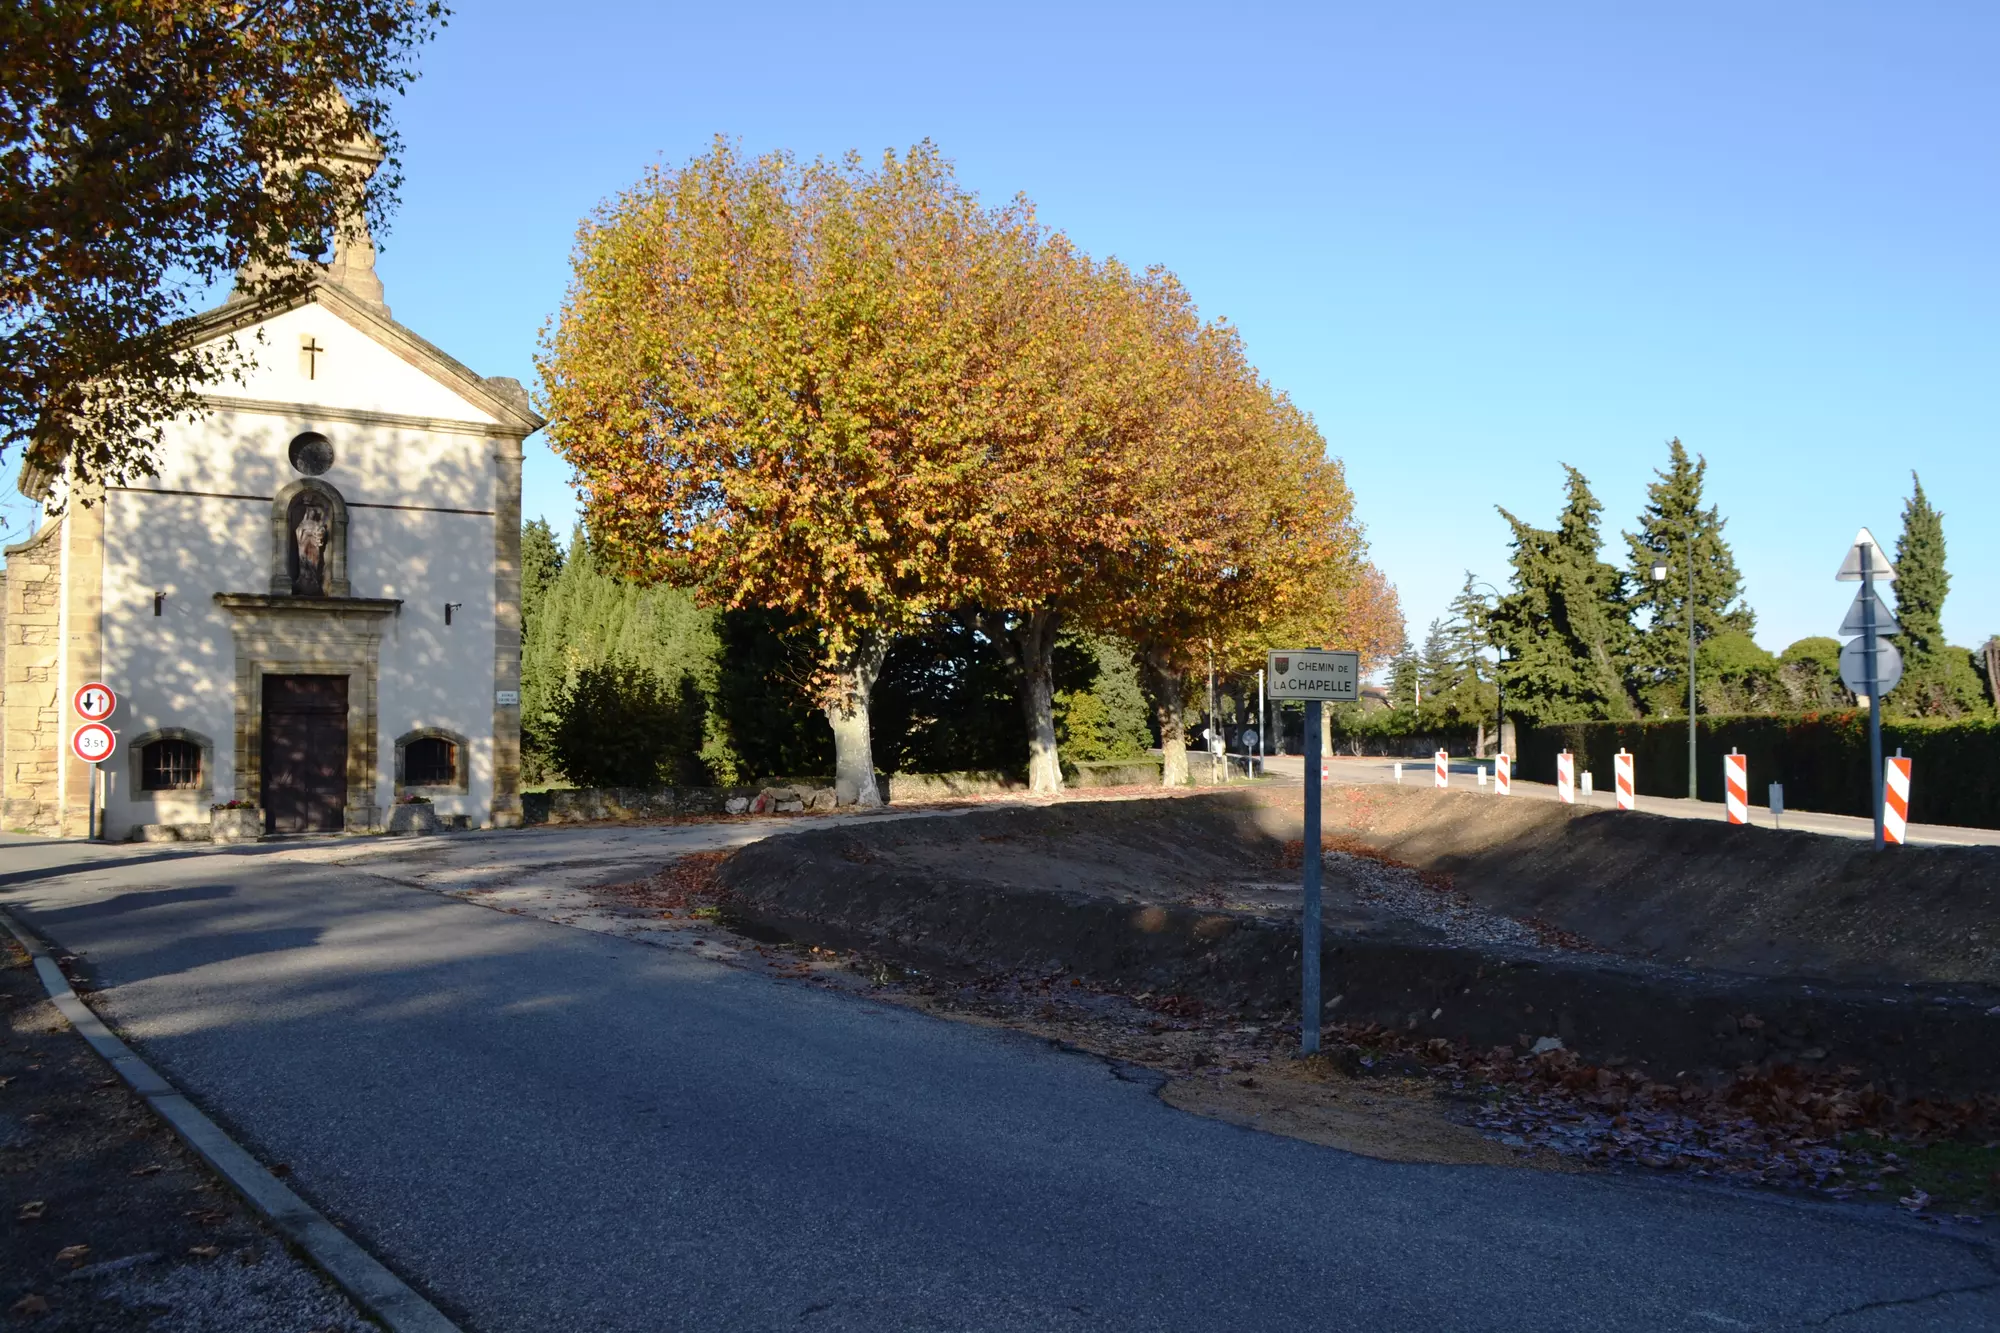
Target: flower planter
<point>245,823</point>
<point>413,819</point>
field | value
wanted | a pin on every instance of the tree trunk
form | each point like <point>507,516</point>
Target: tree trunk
<point>847,713</point>
<point>1034,637</point>
<point>1168,705</point>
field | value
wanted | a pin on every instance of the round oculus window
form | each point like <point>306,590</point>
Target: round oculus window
<point>312,453</point>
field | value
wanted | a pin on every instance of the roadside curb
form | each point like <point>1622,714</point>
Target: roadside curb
<point>373,1287</point>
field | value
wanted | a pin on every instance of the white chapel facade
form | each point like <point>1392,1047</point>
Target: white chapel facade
<point>313,607</point>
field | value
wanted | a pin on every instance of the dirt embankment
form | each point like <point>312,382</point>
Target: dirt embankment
<point>1660,946</point>
<point>1700,893</point>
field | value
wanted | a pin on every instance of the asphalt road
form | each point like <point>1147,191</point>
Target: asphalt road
<point>550,1129</point>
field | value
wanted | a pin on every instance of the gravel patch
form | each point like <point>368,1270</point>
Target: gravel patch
<point>1409,893</point>
<point>274,1294</point>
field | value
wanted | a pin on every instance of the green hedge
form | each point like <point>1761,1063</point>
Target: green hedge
<point>1821,758</point>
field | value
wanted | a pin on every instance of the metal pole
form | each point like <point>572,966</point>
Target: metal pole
<point>1874,692</point>
<point>1692,770</point>
<point>1309,1010</point>
<point>1262,721</point>
<point>90,828</point>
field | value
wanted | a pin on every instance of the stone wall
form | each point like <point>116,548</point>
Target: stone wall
<point>30,685</point>
<point>589,805</point>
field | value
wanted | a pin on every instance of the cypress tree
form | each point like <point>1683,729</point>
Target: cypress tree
<point>1567,624</point>
<point>541,561</point>
<point>1938,680</point>
<point>1673,524</point>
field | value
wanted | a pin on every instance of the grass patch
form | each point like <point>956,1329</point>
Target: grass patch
<point>1957,1174</point>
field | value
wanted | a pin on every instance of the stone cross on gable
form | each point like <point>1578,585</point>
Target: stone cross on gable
<point>309,353</point>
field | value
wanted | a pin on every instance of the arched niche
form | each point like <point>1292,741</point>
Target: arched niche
<point>288,511</point>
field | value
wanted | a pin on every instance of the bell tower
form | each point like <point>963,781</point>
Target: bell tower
<point>352,268</point>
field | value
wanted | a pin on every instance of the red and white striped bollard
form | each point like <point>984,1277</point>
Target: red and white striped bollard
<point>1895,798</point>
<point>1441,774</point>
<point>1736,787</point>
<point>1503,769</point>
<point>1621,767</point>
<point>1566,778</point>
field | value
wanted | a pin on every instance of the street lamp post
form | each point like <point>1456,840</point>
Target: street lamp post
<point>1660,576</point>
<point>1499,675</point>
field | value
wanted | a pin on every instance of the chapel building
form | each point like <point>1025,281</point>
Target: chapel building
<point>312,608</point>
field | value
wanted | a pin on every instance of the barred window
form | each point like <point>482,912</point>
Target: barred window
<point>170,766</point>
<point>430,762</point>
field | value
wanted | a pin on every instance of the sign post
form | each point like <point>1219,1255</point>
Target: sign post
<point>1868,666</point>
<point>1318,678</point>
<point>93,742</point>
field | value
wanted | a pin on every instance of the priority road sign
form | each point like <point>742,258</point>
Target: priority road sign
<point>93,742</point>
<point>94,702</point>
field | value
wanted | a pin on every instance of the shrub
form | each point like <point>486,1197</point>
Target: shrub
<point>618,725</point>
<point>1821,758</point>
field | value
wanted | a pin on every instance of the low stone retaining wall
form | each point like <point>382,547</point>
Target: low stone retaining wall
<point>590,805</point>
<point>585,805</point>
<point>1118,773</point>
<point>944,786</point>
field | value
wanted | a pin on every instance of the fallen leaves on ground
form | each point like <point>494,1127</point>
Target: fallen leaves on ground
<point>686,884</point>
<point>1828,1131</point>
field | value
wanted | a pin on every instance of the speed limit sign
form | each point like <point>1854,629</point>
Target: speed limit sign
<point>93,742</point>
<point>94,702</point>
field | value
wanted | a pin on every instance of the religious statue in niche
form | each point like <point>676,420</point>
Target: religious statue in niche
<point>311,531</point>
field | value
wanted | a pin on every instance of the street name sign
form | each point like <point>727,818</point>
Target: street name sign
<point>1313,673</point>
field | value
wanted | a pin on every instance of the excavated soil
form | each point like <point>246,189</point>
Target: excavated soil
<point>1699,893</point>
<point>1625,937</point>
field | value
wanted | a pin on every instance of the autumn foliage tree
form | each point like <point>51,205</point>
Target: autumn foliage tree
<point>149,148</point>
<point>773,380</point>
<point>852,394</point>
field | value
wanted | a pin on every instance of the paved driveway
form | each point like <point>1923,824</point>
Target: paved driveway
<point>549,1129</point>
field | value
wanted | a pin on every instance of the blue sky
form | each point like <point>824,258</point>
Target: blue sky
<point>1476,241</point>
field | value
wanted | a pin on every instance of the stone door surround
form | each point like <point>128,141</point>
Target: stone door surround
<point>310,636</point>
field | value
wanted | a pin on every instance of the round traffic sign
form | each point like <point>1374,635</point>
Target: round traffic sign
<point>94,702</point>
<point>93,742</point>
<point>1854,666</point>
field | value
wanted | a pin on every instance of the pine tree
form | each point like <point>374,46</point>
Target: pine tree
<point>1938,680</point>
<point>1567,626</point>
<point>1672,524</point>
<point>1471,699</point>
<point>1405,680</point>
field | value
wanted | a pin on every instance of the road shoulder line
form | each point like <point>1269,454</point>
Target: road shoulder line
<point>378,1291</point>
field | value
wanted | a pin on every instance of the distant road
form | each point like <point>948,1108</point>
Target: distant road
<point>1465,777</point>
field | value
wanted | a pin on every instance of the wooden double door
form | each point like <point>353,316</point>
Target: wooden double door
<point>305,754</point>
